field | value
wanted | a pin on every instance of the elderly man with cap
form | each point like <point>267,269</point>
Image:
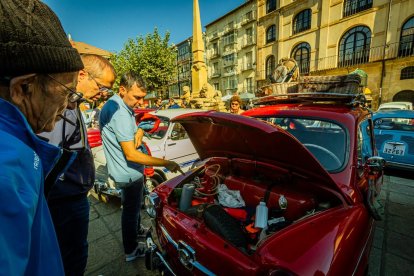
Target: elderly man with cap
<point>38,75</point>
<point>68,197</point>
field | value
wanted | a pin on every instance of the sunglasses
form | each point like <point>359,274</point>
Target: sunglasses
<point>73,96</point>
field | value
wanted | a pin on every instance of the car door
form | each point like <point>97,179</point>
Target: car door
<point>179,148</point>
<point>371,175</point>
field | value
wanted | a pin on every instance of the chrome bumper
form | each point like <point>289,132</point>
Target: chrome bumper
<point>154,258</point>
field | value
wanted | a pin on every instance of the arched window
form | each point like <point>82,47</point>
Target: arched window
<point>354,6</point>
<point>407,39</point>
<point>354,46</point>
<point>301,53</point>
<point>270,5</point>
<point>407,73</point>
<point>270,65</point>
<point>302,21</point>
<point>271,34</point>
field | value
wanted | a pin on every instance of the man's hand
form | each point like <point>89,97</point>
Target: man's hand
<point>173,167</point>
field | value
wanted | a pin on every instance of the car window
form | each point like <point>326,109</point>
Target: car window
<point>162,129</point>
<point>178,132</point>
<point>364,142</point>
<point>402,124</point>
<point>326,140</point>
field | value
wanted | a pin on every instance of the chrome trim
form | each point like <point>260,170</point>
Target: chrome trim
<point>184,248</point>
<point>165,263</point>
<point>398,165</point>
<point>169,238</point>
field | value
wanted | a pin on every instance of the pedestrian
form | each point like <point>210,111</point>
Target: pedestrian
<point>67,198</point>
<point>38,74</point>
<point>125,163</point>
<point>172,104</point>
<point>158,103</point>
<point>235,105</point>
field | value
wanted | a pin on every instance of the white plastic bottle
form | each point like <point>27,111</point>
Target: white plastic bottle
<point>261,215</point>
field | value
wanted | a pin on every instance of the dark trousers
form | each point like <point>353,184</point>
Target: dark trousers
<point>131,198</point>
<point>71,221</point>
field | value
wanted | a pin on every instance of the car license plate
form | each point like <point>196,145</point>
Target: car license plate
<point>394,149</point>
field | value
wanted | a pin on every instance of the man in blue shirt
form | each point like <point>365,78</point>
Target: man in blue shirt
<point>120,137</point>
<point>38,74</point>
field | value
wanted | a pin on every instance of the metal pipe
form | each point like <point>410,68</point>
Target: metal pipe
<point>383,54</point>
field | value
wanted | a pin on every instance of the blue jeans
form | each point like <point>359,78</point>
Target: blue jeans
<point>71,221</point>
<point>131,198</point>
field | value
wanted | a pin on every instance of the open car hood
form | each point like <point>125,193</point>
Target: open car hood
<point>217,134</point>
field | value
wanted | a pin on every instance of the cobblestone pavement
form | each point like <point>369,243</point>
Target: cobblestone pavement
<point>392,252</point>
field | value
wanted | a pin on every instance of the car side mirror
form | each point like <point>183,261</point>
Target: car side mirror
<point>174,135</point>
<point>375,164</point>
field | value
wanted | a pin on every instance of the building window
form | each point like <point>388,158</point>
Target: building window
<point>214,50</point>
<point>270,65</point>
<point>354,46</point>
<point>302,21</point>
<point>271,34</point>
<point>229,60</point>
<point>249,85</point>
<point>301,53</point>
<point>407,73</point>
<point>270,5</point>
<point>228,39</point>
<point>407,39</point>
<point>216,86</point>
<point>354,6</point>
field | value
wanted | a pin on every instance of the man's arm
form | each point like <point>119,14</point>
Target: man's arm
<point>133,155</point>
<point>138,137</point>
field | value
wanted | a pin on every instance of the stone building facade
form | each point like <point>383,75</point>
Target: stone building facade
<point>337,36</point>
<point>231,50</point>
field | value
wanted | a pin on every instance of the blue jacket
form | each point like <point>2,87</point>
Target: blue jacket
<point>27,238</point>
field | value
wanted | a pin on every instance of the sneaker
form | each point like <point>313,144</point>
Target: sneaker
<point>137,253</point>
<point>142,232</point>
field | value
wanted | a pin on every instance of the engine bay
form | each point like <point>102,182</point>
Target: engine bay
<point>246,202</point>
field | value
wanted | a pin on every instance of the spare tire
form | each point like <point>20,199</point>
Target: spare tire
<point>221,223</point>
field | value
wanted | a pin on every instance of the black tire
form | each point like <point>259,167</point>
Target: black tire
<point>225,225</point>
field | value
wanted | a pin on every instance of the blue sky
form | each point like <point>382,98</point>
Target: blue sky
<point>108,24</point>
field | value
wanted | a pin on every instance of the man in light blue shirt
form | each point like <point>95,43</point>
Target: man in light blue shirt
<point>120,137</point>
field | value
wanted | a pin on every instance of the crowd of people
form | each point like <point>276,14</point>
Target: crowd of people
<point>46,164</point>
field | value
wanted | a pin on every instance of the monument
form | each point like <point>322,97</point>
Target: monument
<point>203,95</point>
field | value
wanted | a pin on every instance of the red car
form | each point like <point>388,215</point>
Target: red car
<point>293,193</point>
<point>94,135</point>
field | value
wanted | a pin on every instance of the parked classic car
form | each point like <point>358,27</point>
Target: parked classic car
<point>394,136</point>
<point>275,196</point>
<point>396,106</point>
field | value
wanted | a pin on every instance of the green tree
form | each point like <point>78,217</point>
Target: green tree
<point>151,56</point>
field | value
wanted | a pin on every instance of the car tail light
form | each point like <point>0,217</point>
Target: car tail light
<point>148,170</point>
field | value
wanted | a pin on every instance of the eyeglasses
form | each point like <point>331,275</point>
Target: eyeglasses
<point>101,88</point>
<point>73,96</point>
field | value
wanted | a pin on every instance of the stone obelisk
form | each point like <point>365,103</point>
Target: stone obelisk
<point>199,70</point>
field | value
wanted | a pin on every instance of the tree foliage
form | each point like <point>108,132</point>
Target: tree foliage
<point>151,56</point>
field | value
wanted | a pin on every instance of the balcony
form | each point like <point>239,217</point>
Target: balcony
<point>215,74</point>
<point>248,40</point>
<point>248,17</point>
<point>213,37</point>
<point>247,66</point>
<point>355,6</point>
<point>373,54</point>
<point>230,72</point>
<point>214,54</point>
<point>229,27</point>
<point>185,75</point>
<point>229,62</point>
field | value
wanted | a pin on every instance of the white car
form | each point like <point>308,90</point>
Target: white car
<point>396,105</point>
<point>170,141</point>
